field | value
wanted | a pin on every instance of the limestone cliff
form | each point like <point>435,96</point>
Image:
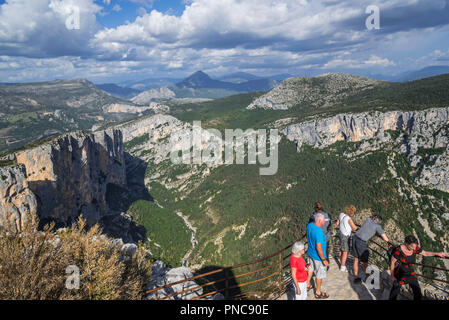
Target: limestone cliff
<point>70,174</point>
<point>415,131</point>
<point>17,201</point>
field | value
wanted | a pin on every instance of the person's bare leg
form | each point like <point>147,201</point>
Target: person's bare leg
<point>309,278</point>
<point>343,258</point>
<point>356,267</point>
<point>318,286</point>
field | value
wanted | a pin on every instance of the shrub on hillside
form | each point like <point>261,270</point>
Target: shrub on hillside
<point>33,264</point>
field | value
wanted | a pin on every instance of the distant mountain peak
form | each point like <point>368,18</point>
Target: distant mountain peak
<point>198,79</point>
<point>201,72</point>
<point>199,75</point>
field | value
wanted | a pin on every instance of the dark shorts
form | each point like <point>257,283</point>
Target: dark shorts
<point>360,249</point>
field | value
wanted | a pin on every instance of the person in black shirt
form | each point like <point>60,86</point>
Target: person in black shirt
<point>401,269</point>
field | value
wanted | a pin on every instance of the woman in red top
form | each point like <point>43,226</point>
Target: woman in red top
<point>401,269</point>
<point>299,271</point>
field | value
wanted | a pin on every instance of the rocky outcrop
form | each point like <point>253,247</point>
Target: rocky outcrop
<point>148,141</point>
<point>321,91</point>
<point>17,201</point>
<point>152,95</point>
<point>159,108</point>
<point>415,131</point>
<point>70,174</point>
<point>158,129</point>
<point>367,125</point>
<point>136,128</point>
<point>162,275</point>
<point>124,108</point>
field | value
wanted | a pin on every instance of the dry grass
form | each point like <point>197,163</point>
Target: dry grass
<point>33,264</point>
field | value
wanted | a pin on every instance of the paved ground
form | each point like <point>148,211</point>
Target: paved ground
<point>339,285</point>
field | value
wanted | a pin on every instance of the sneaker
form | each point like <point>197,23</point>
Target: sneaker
<point>343,268</point>
<point>357,280</point>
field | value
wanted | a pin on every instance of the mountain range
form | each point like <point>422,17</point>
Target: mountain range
<point>201,85</point>
<point>118,91</point>
<point>33,111</point>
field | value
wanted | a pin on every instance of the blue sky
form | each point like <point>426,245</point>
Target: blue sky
<point>122,11</point>
<point>118,40</point>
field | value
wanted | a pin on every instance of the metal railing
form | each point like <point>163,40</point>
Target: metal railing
<point>384,256</point>
<point>277,282</point>
<point>275,285</point>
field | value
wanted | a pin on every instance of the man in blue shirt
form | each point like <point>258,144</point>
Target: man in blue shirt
<point>316,251</point>
<point>318,208</point>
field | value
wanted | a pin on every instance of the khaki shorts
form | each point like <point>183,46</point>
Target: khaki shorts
<point>344,242</point>
<point>318,268</point>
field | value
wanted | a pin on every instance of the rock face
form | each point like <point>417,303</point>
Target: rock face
<point>158,129</point>
<point>124,108</point>
<point>159,108</point>
<point>17,201</point>
<point>416,131</point>
<point>321,91</point>
<point>69,175</point>
<point>153,94</point>
<point>150,140</point>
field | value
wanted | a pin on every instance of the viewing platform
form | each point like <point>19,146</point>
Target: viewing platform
<point>269,278</point>
<point>339,285</point>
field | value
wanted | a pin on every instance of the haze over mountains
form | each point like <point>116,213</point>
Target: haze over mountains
<point>118,91</point>
<point>37,110</point>
<point>196,85</point>
<point>201,85</point>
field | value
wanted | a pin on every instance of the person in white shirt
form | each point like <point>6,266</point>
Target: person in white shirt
<point>346,227</point>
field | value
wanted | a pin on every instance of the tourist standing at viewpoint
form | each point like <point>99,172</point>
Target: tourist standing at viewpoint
<point>346,227</point>
<point>401,268</point>
<point>318,208</point>
<point>317,255</point>
<point>299,271</point>
<point>360,250</point>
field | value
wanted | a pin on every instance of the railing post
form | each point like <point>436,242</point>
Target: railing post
<point>280,271</point>
<point>226,284</point>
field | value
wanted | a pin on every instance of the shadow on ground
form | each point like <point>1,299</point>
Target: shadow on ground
<point>233,290</point>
